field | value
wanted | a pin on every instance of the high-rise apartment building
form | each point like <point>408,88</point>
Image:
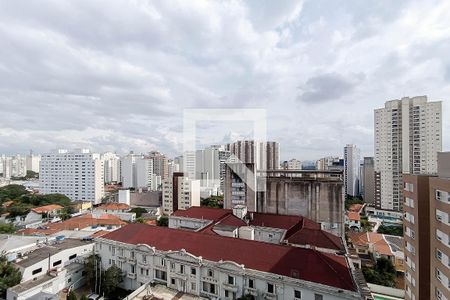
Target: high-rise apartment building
<point>210,166</point>
<point>351,170</point>
<point>111,164</point>
<point>179,192</point>
<point>440,229</point>
<point>13,166</point>
<point>408,135</point>
<point>265,155</point>
<point>292,164</point>
<point>427,233</point>
<point>128,170</point>
<point>78,174</point>
<point>369,180</point>
<point>160,164</point>
<point>32,162</point>
<point>144,171</point>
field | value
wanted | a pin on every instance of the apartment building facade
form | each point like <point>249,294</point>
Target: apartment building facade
<point>179,192</point>
<point>78,174</point>
<point>351,170</point>
<point>408,136</point>
<point>427,233</point>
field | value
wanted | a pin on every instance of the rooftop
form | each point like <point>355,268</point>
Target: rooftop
<point>299,230</point>
<point>76,223</point>
<point>44,252</point>
<point>306,264</point>
<point>113,206</point>
<point>47,208</point>
<point>25,286</point>
<point>353,216</point>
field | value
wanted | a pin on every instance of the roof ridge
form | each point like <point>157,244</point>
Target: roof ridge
<point>322,257</point>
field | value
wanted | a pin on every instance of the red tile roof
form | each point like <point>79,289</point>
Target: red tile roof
<point>310,265</point>
<point>353,216</point>
<point>72,224</point>
<point>113,206</point>
<point>195,212</point>
<point>356,207</point>
<point>47,208</point>
<point>299,230</point>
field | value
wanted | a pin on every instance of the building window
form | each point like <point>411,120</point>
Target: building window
<point>438,254</point>
<point>163,262</point>
<point>297,294</point>
<point>193,286</point>
<point>230,280</point>
<point>210,273</point>
<point>57,263</point>
<point>181,269</point>
<point>72,256</point>
<point>270,288</point>
<point>251,283</point>
<point>193,271</point>
<point>172,281</point>
<point>37,271</point>
<point>172,266</point>
<point>318,297</point>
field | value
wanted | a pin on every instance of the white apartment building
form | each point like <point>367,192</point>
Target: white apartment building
<point>111,164</point>
<point>128,170</point>
<point>13,166</point>
<point>179,192</point>
<point>218,267</point>
<point>408,136</point>
<point>78,174</point>
<point>144,172</point>
<point>351,170</point>
<point>293,164</point>
<point>32,162</point>
<point>210,166</point>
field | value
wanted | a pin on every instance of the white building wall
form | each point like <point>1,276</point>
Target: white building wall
<point>191,274</point>
<point>77,174</point>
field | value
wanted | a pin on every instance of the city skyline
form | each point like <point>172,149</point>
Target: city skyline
<point>319,73</point>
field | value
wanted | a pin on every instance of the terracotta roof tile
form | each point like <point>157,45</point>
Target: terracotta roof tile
<point>113,206</point>
<point>353,216</point>
<point>47,208</point>
<point>310,265</point>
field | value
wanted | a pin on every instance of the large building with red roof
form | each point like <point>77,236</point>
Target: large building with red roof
<point>219,267</point>
<point>272,228</point>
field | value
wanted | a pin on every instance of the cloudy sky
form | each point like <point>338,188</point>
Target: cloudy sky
<point>117,75</point>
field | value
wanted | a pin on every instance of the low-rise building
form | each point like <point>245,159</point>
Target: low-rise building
<point>271,228</point>
<point>56,254</point>
<point>371,245</point>
<point>121,210</point>
<point>214,266</point>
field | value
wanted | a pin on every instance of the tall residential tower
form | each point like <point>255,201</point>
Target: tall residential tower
<point>408,136</point>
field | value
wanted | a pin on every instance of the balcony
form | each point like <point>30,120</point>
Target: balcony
<point>209,279</point>
<point>131,275</point>
<point>131,260</point>
<point>251,291</point>
<point>143,263</point>
<point>230,287</point>
<point>270,296</point>
<point>121,258</point>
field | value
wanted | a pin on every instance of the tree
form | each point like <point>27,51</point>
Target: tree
<point>140,220</point>
<point>111,279</point>
<point>392,230</point>
<point>31,175</point>
<point>92,267</point>
<point>213,202</point>
<point>7,228</point>
<point>11,192</point>
<point>83,297</point>
<point>383,273</point>
<point>139,211</point>
<point>71,295</point>
<point>9,276</point>
<point>163,221</point>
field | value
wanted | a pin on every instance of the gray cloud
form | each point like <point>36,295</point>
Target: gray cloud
<point>327,87</point>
